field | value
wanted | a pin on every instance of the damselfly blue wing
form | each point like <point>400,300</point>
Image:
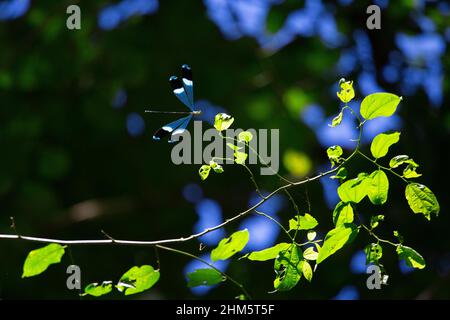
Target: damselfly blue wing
<point>183,89</point>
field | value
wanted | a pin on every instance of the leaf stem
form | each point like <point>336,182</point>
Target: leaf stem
<point>187,254</point>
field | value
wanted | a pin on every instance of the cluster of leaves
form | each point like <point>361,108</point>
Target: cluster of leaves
<point>135,280</point>
<point>292,260</point>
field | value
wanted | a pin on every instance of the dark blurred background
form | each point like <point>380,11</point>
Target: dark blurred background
<point>77,157</point>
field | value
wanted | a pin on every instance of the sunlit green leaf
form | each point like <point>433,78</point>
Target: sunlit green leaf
<point>306,269</point>
<point>399,160</point>
<point>422,200</point>
<point>410,172</point>
<point>222,121</point>
<point>311,235</point>
<point>381,143</point>
<point>334,153</point>
<point>245,136</point>
<point>379,104</point>
<point>287,269</point>
<point>240,157</point>
<point>354,190</point>
<point>227,247</point>
<point>346,92</point>
<point>342,213</point>
<point>412,257</point>
<point>97,290</point>
<point>304,222</point>
<point>336,239</point>
<point>216,167</point>
<point>310,254</point>
<point>204,277</point>
<point>138,279</point>
<point>204,171</point>
<point>268,253</point>
<point>378,187</point>
<point>374,252</point>
<point>39,260</point>
<point>337,120</point>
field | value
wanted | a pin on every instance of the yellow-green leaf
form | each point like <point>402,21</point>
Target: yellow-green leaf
<point>306,270</point>
<point>381,143</point>
<point>412,257</point>
<point>422,200</point>
<point>268,253</point>
<point>227,247</point>
<point>337,120</point>
<point>223,121</point>
<point>380,104</point>
<point>310,254</point>
<point>378,187</point>
<point>354,190</point>
<point>204,171</point>
<point>287,269</point>
<point>204,277</point>
<point>305,222</point>
<point>336,239</point>
<point>346,92</point>
<point>39,260</point>
<point>138,279</point>
<point>245,136</point>
<point>334,153</point>
<point>97,290</point>
<point>342,214</point>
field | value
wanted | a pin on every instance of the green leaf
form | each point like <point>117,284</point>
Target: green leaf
<point>223,121</point>
<point>379,104</point>
<point>306,269</point>
<point>204,277</point>
<point>334,153</point>
<point>138,279</point>
<point>346,92</point>
<point>354,190</point>
<point>336,239</point>
<point>374,252</point>
<point>310,254</point>
<point>412,257</point>
<point>410,172</point>
<point>216,167</point>
<point>337,120</point>
<point>311,235</point>
<point>268,253</point>
<point>374,220</point>
<point>204,171</point>
<point>305,222</point>
<point>39,260</point>
<point>245,136</point>
<point>342,214</point>
<point>240,157</point>
<point>287,269</point>
<point>229,246</point>
<point>341,174</point>
<point>381,143</point>
<point>422,200</point>
<point>399,160</point>
<point>97,290</point>
<point>378,187</point>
